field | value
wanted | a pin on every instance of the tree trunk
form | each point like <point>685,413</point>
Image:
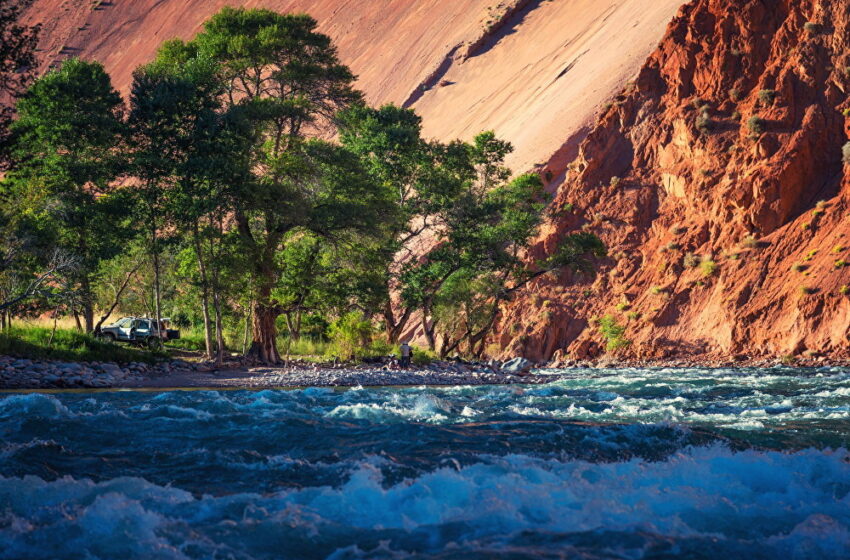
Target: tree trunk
<point>394,326</point>
<point>53,332</point>
<point>205,292</point>
<point>429,327</point>
<point>264,332</point>
<point>219,329</point>
<point>296,334</point>
<point>156,288</point>
<point>77,319</point>
<point>247,328</point>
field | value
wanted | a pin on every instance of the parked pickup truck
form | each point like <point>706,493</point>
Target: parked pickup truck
<point>141,331</point>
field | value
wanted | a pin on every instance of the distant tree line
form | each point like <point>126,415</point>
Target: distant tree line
<point>248,176</point>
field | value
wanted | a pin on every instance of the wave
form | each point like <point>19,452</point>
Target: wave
<point>784,505</point>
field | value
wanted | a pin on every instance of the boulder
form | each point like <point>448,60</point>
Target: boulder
<point>517,366</point>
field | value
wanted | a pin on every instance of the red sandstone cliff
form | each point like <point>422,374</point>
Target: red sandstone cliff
<point>722,241</point>
<point>533,70</point>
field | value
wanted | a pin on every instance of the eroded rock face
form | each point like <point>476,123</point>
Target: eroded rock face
<point>716,181</point>
<point>533,71</point>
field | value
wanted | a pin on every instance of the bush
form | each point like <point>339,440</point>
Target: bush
<point>422,356</point>
<point>708,267</point>
<point>690,260</point>
<point>351,334</point>
<point>845,154</point>
<point>750,242</point>
<point>735,94</point>
<point>811,27</point>
<point>704,123</point>
<point>69,345</point>
<point>756,125</point>
<point>613,333</point>
<point>767,97</point>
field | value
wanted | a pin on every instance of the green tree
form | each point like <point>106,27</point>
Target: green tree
<point>67,138</point>
<point>481,259</point>
<point>424,180</point>
<point>185,150</point>
<point>286,78</point>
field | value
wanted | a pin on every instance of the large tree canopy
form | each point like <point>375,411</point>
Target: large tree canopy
<point>68,137</point>
<point>285,79</point>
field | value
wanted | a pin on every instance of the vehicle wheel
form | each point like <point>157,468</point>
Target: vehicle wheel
<point>154,344</point>
<point>108,338</point>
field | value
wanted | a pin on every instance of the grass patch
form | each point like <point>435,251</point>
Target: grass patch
<point>69,345</point>
<point>750,242</point>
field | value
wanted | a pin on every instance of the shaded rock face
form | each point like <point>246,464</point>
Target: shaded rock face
<point>716,180</point>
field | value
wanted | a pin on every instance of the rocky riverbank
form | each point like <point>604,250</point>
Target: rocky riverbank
<point>22,373</point>
<point>19,373</point>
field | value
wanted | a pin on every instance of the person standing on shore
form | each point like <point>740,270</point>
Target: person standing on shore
<point>405,352</point>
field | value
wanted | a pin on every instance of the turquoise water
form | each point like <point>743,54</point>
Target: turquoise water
<point>603,464</point>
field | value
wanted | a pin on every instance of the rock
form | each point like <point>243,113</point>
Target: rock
<point>517,366</point>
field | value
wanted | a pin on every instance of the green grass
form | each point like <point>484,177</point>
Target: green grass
<point>68,345</point>
<point>189,340</point>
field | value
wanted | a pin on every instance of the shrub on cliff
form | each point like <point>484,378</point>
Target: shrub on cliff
<point>613,333</point>
<point>708,267</point>
<point>756,125</point>
<point>767,97</point>
<point>845,154</point>
<point>704,123</point>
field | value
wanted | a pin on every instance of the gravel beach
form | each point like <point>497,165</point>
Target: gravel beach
<point>19,373</point>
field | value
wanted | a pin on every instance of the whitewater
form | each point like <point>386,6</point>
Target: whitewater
<point>628,463</point>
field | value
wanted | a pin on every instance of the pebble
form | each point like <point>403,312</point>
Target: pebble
<point>20,373</point>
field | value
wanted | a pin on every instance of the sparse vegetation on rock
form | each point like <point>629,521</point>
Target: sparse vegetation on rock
<point>613,333</point>
<point>756,125</point>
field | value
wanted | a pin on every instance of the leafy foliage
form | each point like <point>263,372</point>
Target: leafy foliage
<point>613,333</point>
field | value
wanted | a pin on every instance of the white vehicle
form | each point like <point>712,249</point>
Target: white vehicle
<point>141,331</point>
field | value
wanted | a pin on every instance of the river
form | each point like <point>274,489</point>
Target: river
<point>630,463</point>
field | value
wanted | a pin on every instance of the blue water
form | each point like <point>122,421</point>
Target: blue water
<point>612,464</point>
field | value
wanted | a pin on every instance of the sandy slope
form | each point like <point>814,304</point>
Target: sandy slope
<point>537,77</point>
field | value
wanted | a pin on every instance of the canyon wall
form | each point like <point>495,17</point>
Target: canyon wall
<point>536,71</point>
<point>716,180</point>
